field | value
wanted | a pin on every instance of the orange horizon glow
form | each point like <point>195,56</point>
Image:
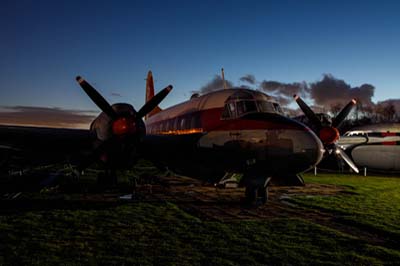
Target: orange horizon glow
<point>44,125</point>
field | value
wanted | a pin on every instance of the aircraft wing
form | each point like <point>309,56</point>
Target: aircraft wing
<point>44,144</point>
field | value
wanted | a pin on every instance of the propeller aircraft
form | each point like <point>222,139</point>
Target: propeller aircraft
<point>381,140</point>
<point>232,130</point>
<point>327,130</point>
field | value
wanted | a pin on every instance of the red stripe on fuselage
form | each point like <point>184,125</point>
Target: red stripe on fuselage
<point>389,143</point>
<point>210,120</point>
<point>388,134</point>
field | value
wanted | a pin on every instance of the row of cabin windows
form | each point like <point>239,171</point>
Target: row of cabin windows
<point>233,109</point>
<point>178,123</point>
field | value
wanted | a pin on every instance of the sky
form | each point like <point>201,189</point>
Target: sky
<point>44,45</point>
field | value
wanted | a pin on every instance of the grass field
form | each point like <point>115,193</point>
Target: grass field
<point>363,229</point>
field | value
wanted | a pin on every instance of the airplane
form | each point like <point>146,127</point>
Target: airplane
<point>328,129</point>
<point>357,146</point>
<point>375,147</point>
<point>232,130</point>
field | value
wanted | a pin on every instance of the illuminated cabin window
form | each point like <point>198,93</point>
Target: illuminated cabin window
<point>188,124</point>
<point>182,124</point>
<point>176,122</point>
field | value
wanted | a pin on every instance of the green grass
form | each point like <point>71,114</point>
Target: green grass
<point>148,234</point>
<point>371,202</point>
<point>163,234</point>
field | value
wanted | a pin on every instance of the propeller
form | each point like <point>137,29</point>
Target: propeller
<point>328,132</point>
<point>96,97</point>
<point>339,151</point>
<point>154,102</point>
<point>126,127</point>
<point>106,107</point>
<point>338,120</point>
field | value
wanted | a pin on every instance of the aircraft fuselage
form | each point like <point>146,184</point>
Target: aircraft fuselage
<point>196,140</point>
<point>375,147</point>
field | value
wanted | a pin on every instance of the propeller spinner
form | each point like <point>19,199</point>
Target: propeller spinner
<point>329,134</point>
<point>126,127</point>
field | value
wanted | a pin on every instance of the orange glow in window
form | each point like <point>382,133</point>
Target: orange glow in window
<point>181,132</point>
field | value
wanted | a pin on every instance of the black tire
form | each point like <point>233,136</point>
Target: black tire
<point>251,194</point>
<point>263,194</point>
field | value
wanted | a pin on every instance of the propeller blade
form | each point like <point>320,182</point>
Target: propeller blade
<point>343,114</point>
<point>308,112</point>
<point>96,97</point>
<point>340,152</point>
<point>154,102</point>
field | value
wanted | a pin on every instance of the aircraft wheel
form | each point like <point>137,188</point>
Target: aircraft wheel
<point>250,194</point>
<point>263,194</point>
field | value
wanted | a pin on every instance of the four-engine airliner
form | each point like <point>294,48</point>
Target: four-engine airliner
<point>235,130</point>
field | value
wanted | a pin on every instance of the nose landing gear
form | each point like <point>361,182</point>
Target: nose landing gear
<point>257,194</point>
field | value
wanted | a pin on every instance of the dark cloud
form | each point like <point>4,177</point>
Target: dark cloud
<point>284,92</point>
<point>325,93</point>
<point>45,116</point>
<point>330,91</point>
<point>283,100</point>
<point>292,112</point>
<point>249,78</point>
<point>285,89</point>
<point>215,84</point>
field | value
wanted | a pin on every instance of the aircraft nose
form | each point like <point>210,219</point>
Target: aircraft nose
<point>307,148</point>
<point>292,147</point>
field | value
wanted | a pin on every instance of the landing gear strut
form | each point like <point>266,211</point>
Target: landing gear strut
<point>257,194</point>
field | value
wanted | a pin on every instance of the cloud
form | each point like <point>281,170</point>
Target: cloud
<point>249,78</point>
<point>285,89</point>
<point>284,92</point>
<point>215,84</point>
<point>326,92</point>
<point>282,100</point>
<point>46,116</point>
<point>330,91</point>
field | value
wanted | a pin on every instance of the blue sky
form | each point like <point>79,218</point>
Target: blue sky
<point>45,44</point>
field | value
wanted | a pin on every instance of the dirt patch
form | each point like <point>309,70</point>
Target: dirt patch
<point>226,204</point>
<point>204,201</point>
<point>208,202</point>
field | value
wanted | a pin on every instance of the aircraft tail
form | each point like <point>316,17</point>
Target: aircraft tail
<point>150,94</point>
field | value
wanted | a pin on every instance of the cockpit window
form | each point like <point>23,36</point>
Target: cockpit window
<point>229,110</point>
<point>244,107</point>
<point>277,108</point>
<point>269,107</point>
<point>234,109</point>
<point>265,107</point>
<point>245,102</point>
